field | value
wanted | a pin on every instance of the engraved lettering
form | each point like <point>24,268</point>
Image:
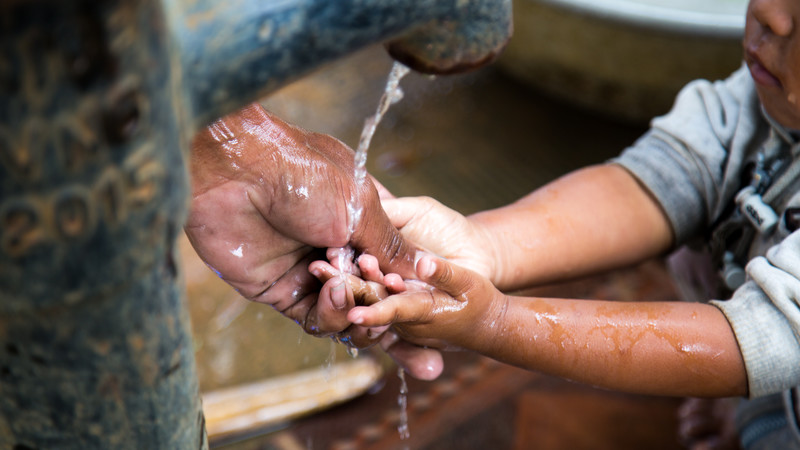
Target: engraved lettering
<point>74,211</point>
<point>110,193</point>
<point>74,150</point>
<point>21,228</point>
<point>145,176</point>
<point>23,160</point>
<point>73,214</point>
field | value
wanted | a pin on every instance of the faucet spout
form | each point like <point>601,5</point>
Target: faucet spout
<point>472,36</point>
<point>237,51</point>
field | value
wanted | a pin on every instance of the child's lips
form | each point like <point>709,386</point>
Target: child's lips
<point>760,73</point>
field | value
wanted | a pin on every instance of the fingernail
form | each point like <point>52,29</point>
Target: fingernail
<point>417,256</point>
<point>426,267</point>
<point>338,296</point>
<point>357,319</point>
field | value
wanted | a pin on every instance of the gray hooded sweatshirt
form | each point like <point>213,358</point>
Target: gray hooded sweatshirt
<point>692,161</point>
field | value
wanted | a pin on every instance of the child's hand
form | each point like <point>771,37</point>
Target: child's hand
<point>442,231</point>
<point>341,291</point>
<point>449,306</point>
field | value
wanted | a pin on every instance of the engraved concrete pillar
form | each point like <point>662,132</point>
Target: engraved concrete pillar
<point>95,117</point>
<point>95,346</point>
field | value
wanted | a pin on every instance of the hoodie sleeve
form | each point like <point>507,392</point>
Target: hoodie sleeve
<point>765,316</point>
<point>690,158</point>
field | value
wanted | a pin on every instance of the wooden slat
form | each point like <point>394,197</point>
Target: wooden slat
<point>245,408</point>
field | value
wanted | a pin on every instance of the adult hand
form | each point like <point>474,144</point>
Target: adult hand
<point>265,196</point>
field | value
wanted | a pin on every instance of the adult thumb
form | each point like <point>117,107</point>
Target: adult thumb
<point>376,236</point>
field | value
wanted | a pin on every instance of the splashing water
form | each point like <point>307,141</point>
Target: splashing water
<point>402,402</point>
<point>391,95</point>
<point>330,361</point>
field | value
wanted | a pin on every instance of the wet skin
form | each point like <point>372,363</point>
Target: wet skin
<point>267,198</point>
<point>660,348</point>
<point>595,219</point>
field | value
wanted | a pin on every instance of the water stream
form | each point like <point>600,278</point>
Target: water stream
<point>402,402</point>
<point>391,95</point>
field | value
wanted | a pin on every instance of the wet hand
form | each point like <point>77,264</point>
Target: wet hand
<point>442,231</point>
<point>448,306</point>
<point>345,290</point>
<point>266,197</point>
<point>265,194</point>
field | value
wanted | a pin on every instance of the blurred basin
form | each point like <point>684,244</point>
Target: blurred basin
<point>626,58</point>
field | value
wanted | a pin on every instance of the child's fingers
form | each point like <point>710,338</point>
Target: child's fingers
<point>421,363</point>
<point>409,307</point>
<point>323,270</point>
<point>370,269</point>
<point>330,313</point>
<point>445,276</point>
<point>365,293</point>
<point>382,191</point>
<point>394,283</point>
<point>377,332</point>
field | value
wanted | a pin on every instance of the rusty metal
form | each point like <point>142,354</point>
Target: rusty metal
<point>98,100</point>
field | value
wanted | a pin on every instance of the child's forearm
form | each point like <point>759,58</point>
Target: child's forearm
<point>673,349</point>
<point>594,219</point>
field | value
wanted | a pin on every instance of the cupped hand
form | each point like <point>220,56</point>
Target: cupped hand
<point>442,231</point>
<point>265,193</point>
<point>448,306</point>
<point>266,196</point>
<point>348,290</point>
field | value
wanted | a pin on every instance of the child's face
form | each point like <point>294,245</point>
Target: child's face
<point>772,52</point>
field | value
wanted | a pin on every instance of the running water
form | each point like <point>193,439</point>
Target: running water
<point>402,402</point>
<point>391,95</point>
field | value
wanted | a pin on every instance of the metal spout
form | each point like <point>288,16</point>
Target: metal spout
<point>234,52</point>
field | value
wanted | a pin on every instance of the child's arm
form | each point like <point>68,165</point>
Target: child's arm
<point>593,219</point>
<point>674,349</point>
